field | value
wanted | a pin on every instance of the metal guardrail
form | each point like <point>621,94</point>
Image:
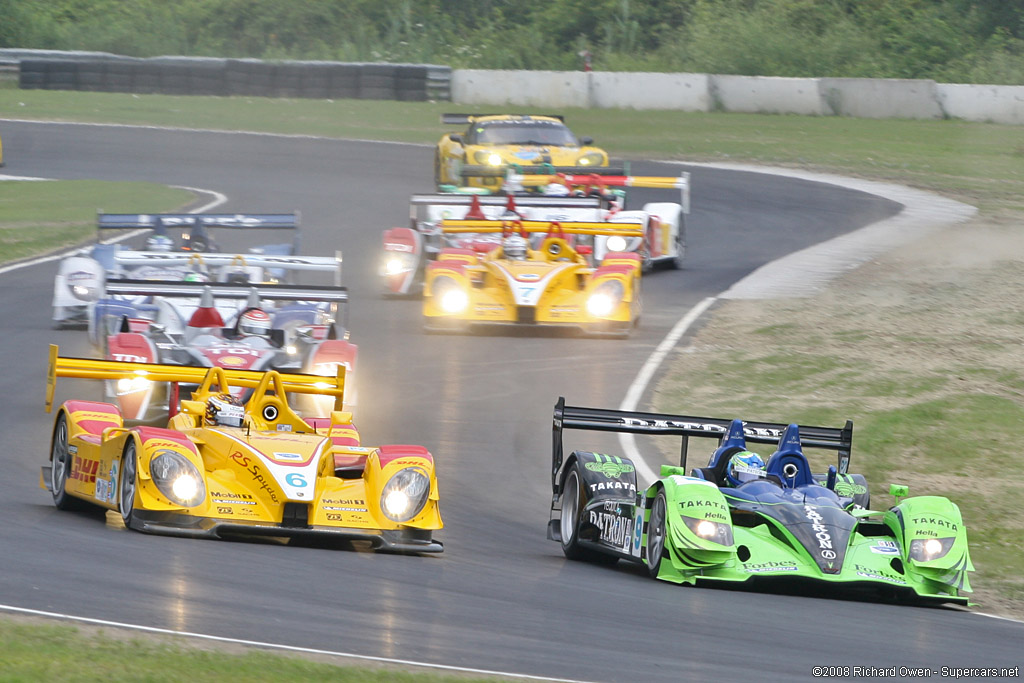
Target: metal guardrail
<point>212,76</point>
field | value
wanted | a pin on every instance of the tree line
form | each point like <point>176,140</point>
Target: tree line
<point>952,41</point>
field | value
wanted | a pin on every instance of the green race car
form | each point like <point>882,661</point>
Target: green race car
<point>744,519</point>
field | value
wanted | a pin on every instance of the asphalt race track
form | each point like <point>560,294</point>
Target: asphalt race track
<point>501,597</point>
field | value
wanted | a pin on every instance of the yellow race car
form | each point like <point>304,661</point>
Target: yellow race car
<point>491,143</point>
<point>224,468</point>
<point>535,273</point>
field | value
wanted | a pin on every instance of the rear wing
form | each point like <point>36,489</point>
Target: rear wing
<point>196,223</point>
<point>838,439</point>
<point>325,264</point>
<point>554,227</point>
<point>600,178</point>
<point>466,119</point>
<point>228,290</point>
<point>502,200</point>
<point>89,368</point>
<point>482,171</point>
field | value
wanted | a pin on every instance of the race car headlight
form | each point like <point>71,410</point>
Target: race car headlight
<point>405,494</point>
<point>488,158</point>
<point>605,298</point>
<point>454,300</point>
<point>291,349</point>
<point>928,549</point>
<point>84,292</point>
<point>395,263</point>
<point>591,159</point>
<point>716,532</point>
<point>450,296</point>
<point>616,243</point>
<point>177,478</point>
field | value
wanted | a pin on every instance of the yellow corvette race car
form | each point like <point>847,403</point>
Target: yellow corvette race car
<point>492,143</point>
<point>534,273</point>
<point>224,468</point>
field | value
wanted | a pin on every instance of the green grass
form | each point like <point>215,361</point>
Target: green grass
<point>35,652</point>
<point>37,217</point>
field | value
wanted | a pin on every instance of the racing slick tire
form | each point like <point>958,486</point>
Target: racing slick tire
<point>437,168</point>
<point>60,466</point>
<point>573,501</point>
<point>657,532</point>
<point>129,480</point>
<point>677,261</point>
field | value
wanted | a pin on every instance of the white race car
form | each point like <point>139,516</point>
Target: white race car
<point>80,277</point>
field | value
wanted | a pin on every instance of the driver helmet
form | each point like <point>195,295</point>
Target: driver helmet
<point>159,243</point>
<point>556,190</point>
<point>514,247</point>
<point>745,466</point>
<point>254,322</point>
<point>224,410</point>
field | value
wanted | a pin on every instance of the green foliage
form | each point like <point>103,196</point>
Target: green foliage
<point>975,41</point>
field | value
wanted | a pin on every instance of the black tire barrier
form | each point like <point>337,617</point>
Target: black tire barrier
<point>246,77</point>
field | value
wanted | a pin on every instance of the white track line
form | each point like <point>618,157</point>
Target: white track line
<point>276,646</point>
<point>217,200</point>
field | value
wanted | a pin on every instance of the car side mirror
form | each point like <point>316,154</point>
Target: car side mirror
<point>898,491</point>
<point>586,140</point>
<point>456,137</point>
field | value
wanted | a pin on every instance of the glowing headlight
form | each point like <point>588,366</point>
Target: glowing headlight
<point>605,298</point>
<point>591,159</point>
<point>600,305</point>
<point>449,295</point>
<point>928,549</point>
<point>291,349</point>
<point>395,264</point>
<point>84,292</point>
<point>716,532</point>
<point>177,478</point>
<point>396,504</point>
<point>616,243</point>
<point>454,301</point>
<point>488,158</point>
<point>405,494</point>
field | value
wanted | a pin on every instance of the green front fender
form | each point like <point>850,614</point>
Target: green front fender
<point>689,503</point>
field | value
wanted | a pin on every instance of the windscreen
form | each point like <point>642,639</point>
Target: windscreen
<point>551,133</point>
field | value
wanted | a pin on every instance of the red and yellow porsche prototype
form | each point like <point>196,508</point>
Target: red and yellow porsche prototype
<point>540,273</point>
<point>224,468</point>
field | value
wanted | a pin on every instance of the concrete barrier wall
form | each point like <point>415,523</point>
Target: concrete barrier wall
<point>995,103</point>
<point>768,95</point>
<point>881,98</point>
<point>555,89</point>
<point>856,97</point>
<point>680,92</point>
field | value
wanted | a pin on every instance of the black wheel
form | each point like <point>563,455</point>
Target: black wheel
<point>60,466</point>
<point>437,169</point>
<point>573,501</point>
<point>126,485</point>
<point>677,260</point>
<point>656,533</point>
<point>647,263</point>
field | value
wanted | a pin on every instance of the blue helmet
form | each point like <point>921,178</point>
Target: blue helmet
<point>745,466</point>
